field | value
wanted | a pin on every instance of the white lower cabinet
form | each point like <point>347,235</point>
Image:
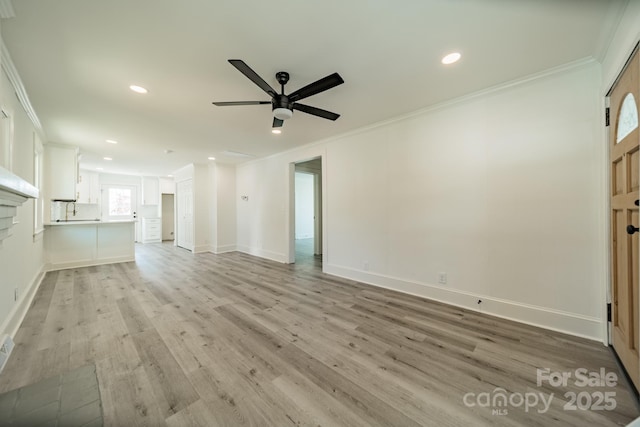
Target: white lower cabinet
<point>151,230</point>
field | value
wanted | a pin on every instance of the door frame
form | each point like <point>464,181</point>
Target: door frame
<point>291,211</point>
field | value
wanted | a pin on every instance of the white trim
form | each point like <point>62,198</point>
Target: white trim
<point>556,320</point>
<point>201,248</point>
<point>223,249</point>
<point>13,321</point>
<point>21,92</point>
<point>290,218</point>
<point>605,232</point>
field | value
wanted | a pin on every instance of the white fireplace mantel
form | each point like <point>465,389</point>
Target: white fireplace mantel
<point>14,191</point>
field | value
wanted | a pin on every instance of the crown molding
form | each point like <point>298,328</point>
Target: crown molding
<point>6,9</point>
<point>21,92</point>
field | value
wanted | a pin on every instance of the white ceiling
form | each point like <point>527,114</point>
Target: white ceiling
<point>77,58</point>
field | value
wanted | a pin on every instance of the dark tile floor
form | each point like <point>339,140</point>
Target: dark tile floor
<point>70,399</point>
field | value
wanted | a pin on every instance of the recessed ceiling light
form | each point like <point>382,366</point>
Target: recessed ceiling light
<point>451,58</point>
<point>112,141</point>
<point>99,169</point>
<point>107,158</point>
<point>138,89</point>
<point>276,131</point>
<point>170,176</point>
<point>211,158</point>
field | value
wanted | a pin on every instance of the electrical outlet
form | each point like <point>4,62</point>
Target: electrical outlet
<point>442,278</point>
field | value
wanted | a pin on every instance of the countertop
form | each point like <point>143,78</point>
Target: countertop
<point>81,222</point>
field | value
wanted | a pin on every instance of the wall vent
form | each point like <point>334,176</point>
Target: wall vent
<point>6,345</point>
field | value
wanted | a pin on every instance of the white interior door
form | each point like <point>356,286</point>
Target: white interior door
<point>185,214</point>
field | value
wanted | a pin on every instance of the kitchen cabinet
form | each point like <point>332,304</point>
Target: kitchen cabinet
<point>61,172</point>
<point>84,243</point>
<point>151,230</point>
<point>150,191</point>
<point>88,188</point>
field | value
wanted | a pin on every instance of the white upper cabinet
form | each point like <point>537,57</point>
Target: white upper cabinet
<point>150,191</point>
<point>88,188</point>
<point>61,172</point>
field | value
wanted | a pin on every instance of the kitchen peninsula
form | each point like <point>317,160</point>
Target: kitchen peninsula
<point>73,244</point>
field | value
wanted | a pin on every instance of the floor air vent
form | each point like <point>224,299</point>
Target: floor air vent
<point>6,345</point>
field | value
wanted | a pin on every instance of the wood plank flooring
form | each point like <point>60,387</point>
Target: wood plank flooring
<point>233,340</point>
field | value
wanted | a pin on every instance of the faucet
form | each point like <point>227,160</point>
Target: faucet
<point>66,210</point>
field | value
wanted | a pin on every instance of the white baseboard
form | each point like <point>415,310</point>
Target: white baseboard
<point>18,312</point>
<point>201,248</point>
<point>88,263</point>
<point>547,318</point>
<point>223,249</point>
<point>273,256</point>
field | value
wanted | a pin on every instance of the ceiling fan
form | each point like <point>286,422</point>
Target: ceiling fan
<point>281,104</point>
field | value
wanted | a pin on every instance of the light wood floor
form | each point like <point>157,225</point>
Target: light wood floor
<point>231,340</point>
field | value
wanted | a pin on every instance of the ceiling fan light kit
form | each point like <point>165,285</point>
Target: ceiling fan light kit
<point>283,105</point>
<point>282,113</point>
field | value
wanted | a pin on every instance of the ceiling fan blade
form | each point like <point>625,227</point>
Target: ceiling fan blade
<point>321,85</point>
<point>315,111</point>
<point>277,123</point>
<point>227,104</point>
<point>253,76</point>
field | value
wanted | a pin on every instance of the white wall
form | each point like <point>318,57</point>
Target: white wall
<point>304,205</point>
<point>167,186</point>
<point>21,254</point>
<point>222,208</point>
<point>502,191</point>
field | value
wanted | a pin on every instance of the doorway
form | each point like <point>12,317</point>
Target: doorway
<point>307,213</point>
<point>168,217</point>
<point>624,158</point>
<point>119,203</point>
